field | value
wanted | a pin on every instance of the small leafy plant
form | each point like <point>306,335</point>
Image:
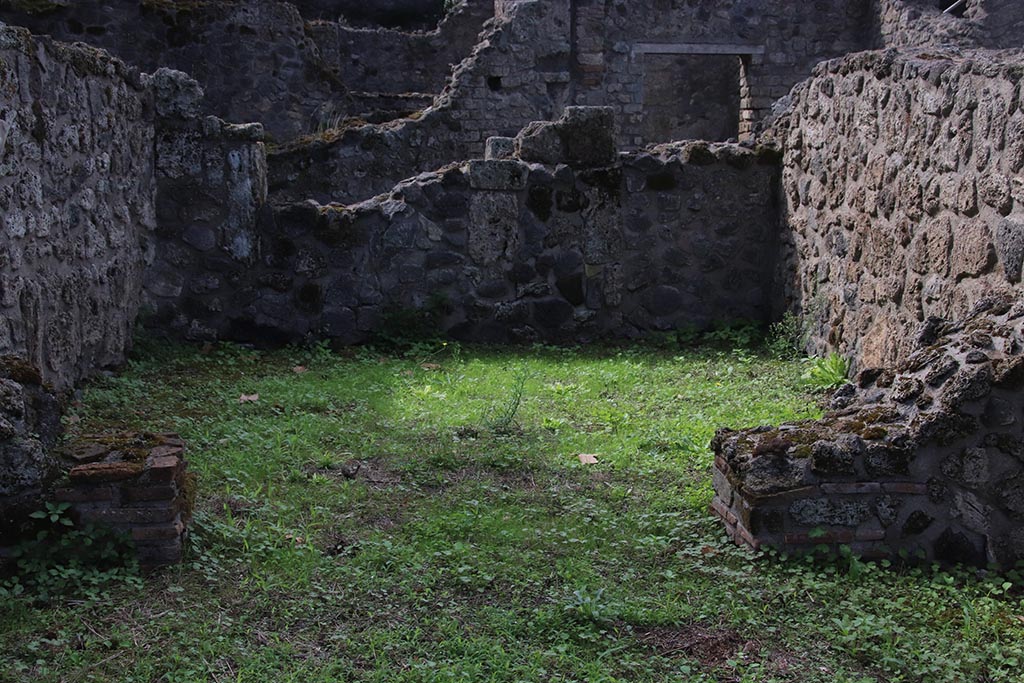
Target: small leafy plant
<point>62,560</point>
<point>787,338</point>
<point>589,606</point>
<point>827,372</point>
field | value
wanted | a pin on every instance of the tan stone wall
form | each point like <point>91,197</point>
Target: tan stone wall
<point>904,194</point>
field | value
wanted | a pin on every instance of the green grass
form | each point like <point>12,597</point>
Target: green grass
<point>473,545</point>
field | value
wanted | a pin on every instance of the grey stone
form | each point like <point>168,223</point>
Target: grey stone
<point>499,148</point>
<point>887,510</point>
<point>1009,238</point>
<point>493,226</point>
<point>817,512</point>
<point>827,457</point>
<point>583,137</point>
<point>540,143</point>
<point>200,237</point>
<point>29,429</point>
<point>176,94</point>
<point>664,300</point>
<point>506,174</point>
<point>552,313</point>
<point>771,474</point>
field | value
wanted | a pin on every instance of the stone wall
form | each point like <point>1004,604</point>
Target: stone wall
<point>691,97</point>
<point>264,61</point>
<point>542,55</point>
<point>254,59</point>
<point>400,14</point>
<point>504,250</point>
<point>780,42</point>
<point>390,61</point>
<point>927,460</point>
<point>997,24</point>
<point>211,189</point>
<point>904,194</point>
<point>920,23</point>
<point>76,204</point>
<point>519,73</point>
<point>29,429</point>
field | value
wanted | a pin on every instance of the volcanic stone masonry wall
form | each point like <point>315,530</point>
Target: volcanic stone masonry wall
<point>504,250</point>
<point>76,204</point>
<point>403,14</point>
<point>262,61</point>
<point>543,55</point>
<point>615,42</point>
<point>903,192</point>
<point>29,430</point>
<point>996,24</point>
<point>211,188</point>
<point>375,60</point>
<point>927,459</point>
<point>254,59</point>
<point>519,73</point>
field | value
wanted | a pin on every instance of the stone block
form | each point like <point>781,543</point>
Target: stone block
<point>162,514</point>
<point>824,512</point>
<point>493,226</point>
<point>163,469</point>
<point>1009,240</point>
<point>158,532</point>
<point>497,148</point>
<point>503,175</point>
<point>142,494</point>
<point>582,137</point>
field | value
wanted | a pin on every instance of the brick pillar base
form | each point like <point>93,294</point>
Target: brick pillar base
<point>134,483</point>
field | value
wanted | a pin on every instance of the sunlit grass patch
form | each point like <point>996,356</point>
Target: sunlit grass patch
<point>425,515</point>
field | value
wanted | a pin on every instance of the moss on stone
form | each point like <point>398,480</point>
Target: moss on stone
<point>37,6</point>
<point>874,433</point>
<point>19,370</point>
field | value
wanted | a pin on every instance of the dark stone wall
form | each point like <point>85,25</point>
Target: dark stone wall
<point>263,61</point>
<point>211,187</point>
<point>519,73</point>
<point>29,428</point>
<point>609,61</point>
<point>254,59</point>
<point>400,14</point>
<point>542,56</point>
<point>76,204</point>
<point>500,251</point>
<point>691,97</point>
<point>995,24</point>
<point>375,60</point>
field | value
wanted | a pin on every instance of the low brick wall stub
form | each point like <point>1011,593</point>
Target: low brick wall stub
<point>926,460</point>
<point>137,484</point>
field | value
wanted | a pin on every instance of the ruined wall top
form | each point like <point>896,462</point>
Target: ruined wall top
<point>995,24</point>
